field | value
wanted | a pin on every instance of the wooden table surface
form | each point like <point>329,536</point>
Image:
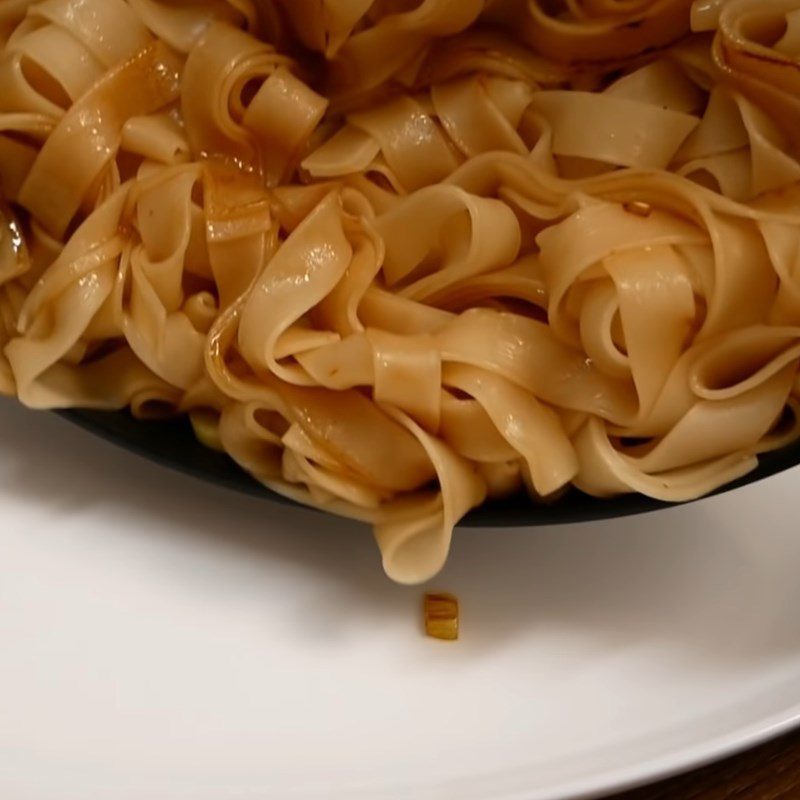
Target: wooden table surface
<point>770,772</point>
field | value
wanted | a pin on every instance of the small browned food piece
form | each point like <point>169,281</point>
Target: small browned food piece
<point>640,208</point>
<point>441,616</point>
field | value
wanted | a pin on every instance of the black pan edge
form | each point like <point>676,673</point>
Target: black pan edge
<point>173,444</point>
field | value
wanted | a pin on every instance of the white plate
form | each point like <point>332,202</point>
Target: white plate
<point>164,639</point>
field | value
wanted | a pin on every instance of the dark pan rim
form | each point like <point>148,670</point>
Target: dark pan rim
<point>173,444</point>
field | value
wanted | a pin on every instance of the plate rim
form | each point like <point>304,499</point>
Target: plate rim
<point>610,782</point>
<point>682,762</point>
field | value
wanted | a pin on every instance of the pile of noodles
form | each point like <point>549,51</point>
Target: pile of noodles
<point>397,257</point>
